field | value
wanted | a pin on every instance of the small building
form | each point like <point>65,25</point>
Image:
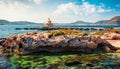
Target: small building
<point>49,24</point>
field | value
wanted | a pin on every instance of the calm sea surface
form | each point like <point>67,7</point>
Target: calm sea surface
<point>6,30</point>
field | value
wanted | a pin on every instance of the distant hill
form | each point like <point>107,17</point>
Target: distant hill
<point>23,22</point>
<point>5,22</point>
<point>80,22</point>
<point>114,20</point>
<point>102,22</point>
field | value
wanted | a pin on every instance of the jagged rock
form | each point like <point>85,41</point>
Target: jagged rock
<point>63,43</point>
<point>2,40</point>
<point>36,42</point>
<point>115,43</point>
<point>118,51</point>
<point>111,36</point>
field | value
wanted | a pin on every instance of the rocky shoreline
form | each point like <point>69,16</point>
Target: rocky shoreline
<point>36,42</point>
<point>61,28</point>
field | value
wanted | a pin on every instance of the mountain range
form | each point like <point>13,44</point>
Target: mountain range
<point>114,20</point>
<point>80,22</point>
<point>5,22</point>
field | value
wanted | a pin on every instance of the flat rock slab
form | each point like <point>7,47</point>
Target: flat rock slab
<point>115,43</point>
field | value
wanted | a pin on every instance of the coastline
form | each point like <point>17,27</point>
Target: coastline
<point>64,28</point>
<point>62,39</point>
<point>92,45</point>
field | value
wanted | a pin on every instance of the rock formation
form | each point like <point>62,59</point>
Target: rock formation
<point>37,42</point>
<point>114,20</point>
<point>113,39</point>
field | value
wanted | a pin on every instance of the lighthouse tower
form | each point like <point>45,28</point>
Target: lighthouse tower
<point>49,24</point>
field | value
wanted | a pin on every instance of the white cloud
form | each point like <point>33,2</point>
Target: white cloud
<point>32,10</point>
<point>71,12</point>
<point>38,2</point>
<point>12,4</point>
<point>84,9</point>
<point>15,10</point>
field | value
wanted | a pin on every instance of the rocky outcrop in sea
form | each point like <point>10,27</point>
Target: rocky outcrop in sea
<point>36,42</point>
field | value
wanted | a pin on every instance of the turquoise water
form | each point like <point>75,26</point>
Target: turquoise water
<point>6,30</point>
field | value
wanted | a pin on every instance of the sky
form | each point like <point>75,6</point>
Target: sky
<point>60,11</point>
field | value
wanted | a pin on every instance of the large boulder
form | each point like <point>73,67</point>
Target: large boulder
<point>36,42</point>
<point>113,39</point>
<point>115,43</point>
<point>111,36</point>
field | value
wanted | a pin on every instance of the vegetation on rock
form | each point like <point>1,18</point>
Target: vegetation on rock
<point>63,60</point>
<point>65,32</point>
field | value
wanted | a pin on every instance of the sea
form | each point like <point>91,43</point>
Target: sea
<point>47,60</point>
<point>6,30</point>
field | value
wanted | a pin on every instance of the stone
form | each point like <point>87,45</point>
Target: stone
<point>74,42</point>
<point>118,51</point>
<point>62,43</point>
<point>36,42</point>
<point>115,43</point>
<point>111,36</point>
<point>4,63</point>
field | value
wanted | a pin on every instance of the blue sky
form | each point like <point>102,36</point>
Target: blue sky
<point>60,11</point>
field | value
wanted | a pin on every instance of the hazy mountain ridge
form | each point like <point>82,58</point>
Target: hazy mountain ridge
<point>114,20</point>
<point>80,22</point>
<point>101,22</point>
<point>5,22</point>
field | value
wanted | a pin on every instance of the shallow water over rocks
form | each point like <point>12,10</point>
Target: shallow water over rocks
<point>66,60</point>
<point>4,62</point>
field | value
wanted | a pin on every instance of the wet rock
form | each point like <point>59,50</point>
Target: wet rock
<point>4,63</point>
<point>89,65</point>
<point>72,63</point>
